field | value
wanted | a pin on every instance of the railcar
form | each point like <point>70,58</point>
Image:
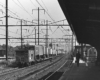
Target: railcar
<point>25,57</point>
<point>45,53</point>
<point>41,52</point>
<point>32,55</point>
<point>49,52</point>
<point>37,56</point>
<point>54,52</point>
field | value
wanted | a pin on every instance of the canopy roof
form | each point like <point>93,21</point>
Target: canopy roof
<point>84,19</point>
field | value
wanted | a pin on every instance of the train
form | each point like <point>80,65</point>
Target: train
<point>33,54</point>
<point>29,55</point>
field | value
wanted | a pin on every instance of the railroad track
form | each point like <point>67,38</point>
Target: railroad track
<point>7,69</point>
<point>53,73</point>
<point>43,71</point>
<point>17,73</point>
<point>56,75</point>
<point>4,70</point>
<point>38,71</point>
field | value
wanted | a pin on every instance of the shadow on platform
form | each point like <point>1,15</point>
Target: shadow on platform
<point>83,72</point>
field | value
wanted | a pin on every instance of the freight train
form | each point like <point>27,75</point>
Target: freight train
<point>33,54</point>
<point>29,55</point>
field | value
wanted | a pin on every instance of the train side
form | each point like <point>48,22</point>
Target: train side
<point>33,54</point>
<point>24,56</point>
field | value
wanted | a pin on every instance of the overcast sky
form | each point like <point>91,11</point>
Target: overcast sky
<point>23,9</point>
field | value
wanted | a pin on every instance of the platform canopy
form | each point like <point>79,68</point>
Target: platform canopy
<point>84,19</point>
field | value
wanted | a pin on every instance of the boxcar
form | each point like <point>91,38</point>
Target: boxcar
<point>49,52</point>
<point>54,52</point>
<point>25,56</point>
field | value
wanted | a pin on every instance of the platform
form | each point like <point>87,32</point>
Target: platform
<point>83,72</point>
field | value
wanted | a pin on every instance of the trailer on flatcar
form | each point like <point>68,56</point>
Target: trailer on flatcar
<point>25,56</point>
<point>33,54</point>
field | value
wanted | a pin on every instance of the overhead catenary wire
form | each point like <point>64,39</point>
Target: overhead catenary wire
<point>50,28</point>
<point>8,10</point>
<point>58,21</point>
<point>54,31</point>
<point>22,7</point>
<point>30,34</point>
<point>62,31</point>
<point>4,16</point>
<point>42,31</point>
<point>33,3</point>
<point>46,11</point>
<point>22,19</point>
<point>17,4</point>
<point>17,33</point>
<point>14,13</point>
<point>49,15</point>
<point>8,36</point>
<point>16,18</point>
<point>44,5</point>
<point>9,31</point>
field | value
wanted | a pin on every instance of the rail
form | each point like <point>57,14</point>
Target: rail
<point>17,73</point>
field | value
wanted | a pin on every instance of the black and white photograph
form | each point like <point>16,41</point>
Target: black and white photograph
<point>49,40</point>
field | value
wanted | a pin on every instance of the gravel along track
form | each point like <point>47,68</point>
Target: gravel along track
<point>47,71</point>
<point>39,70</point>
<point>17,73</point>
<point>57,72</point>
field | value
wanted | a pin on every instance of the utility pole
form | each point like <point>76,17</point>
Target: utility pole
<point>72,41</point>
<point>38,25</point>
<point>81,48</point>
<point>46,33</point>
<point>21,36</point>
<point>57,48</point>
<point>35,36</point>
<point>38,20</point>
<point>75,41</point>
<point>6,30</point>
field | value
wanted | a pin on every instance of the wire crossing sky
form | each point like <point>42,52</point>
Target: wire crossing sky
<point>22,9</point>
